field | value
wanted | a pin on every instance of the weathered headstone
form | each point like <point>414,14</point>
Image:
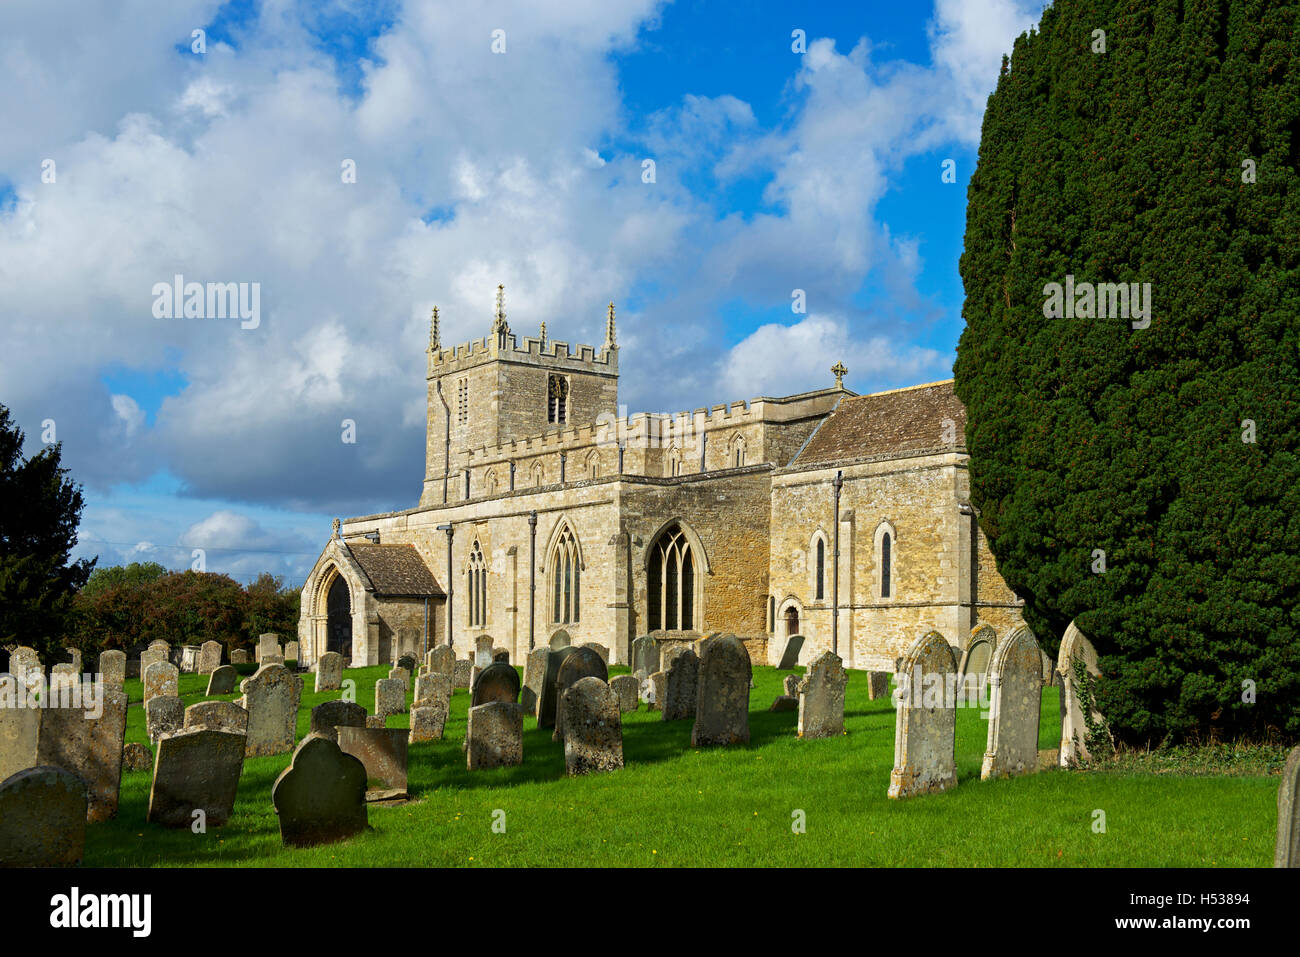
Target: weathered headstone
<point>74,659</point>
<point>534,676</point>
<point>163,714</point>
<point>462,676</point>
<point>821,698</point>
<point>291,651</point>
<point>482,651</point>
<point>494,736</point>
<point>209,657</point>
<point>151,656</point>
<point>977,659</point>
<point>219,716</point>
<point>239,656</point>
<point>271,699</point>
<point>783,651</point>
<point>402,675</point>
<point>25,665</point>
<point>1077,660</point>
<point>583,662</point>
<point>136,757</point>
<point>560,639</point>
<point>383,752</point>
<point>784,702</point>
<point>222,680</point>
<point>390,697</point>
<point>408,662</point>
<point>1286,852</point>
<point>329,672</point>
<point>196,770</point>
<point>645,655</point>
<point>790,685</point>
<point>268,644</point>
<point>878,684</point>
<point>161,679</point>
<point>112,666</point>
<point>20,726</point>
<point>42,818</point>
<point>722,693</point>
<point>329,716</point>
<point>501,655</point>
<point>628,689</point>
<point>90,747</point>
<point>593,727</point>
<point>546,704</point>
<point>443,660</point>
<point>1049,669</point>
<point>496,682</point>
<point>680,687</point>
<point>598,649</point>
<point>63,677</point>
<point>321,797</point>
<point>432,702</point>
<point>1016,696</point>
<point>925,720</point>
<point>655,691</point>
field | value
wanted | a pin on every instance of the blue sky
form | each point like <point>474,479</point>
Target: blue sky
<point>776,171</point>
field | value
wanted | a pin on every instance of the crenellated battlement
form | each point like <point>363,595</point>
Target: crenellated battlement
<point>552,353</point>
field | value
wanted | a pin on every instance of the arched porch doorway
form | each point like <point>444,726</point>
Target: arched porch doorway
<point>791,621</point>
<point>338,609</point>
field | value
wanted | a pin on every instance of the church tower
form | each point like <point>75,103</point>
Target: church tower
<point>493,391</point>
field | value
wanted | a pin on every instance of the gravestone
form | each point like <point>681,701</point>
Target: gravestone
<point>443,660</point>
<point>482,651</point>
<point>645,655</point>
<point>89,747</point>
<point>432,702</point>
<point>164,714</point>
<point>977,659</point>
<point>783,651</point>
<point>593,727</point>
<point>1286,852</point>
<point>546,705</point>
<point>534,676</point>
<point>268,644</point>
<point>628,689</point>
<point>1016,696</point>
<point>190,658</point>
<point>655,691</point>
<point>722,693</point>
<point>209,657</point>
<point>63,677</point>
<point>329,716</point>
<point>74,659</point>
<point>407,662</point>
<point>291,651</point>
<point>581,663</point>
<point>151,656</point>
<point>402,675</point>
<point>239,656</point>
<point>1077,656</point>
<point>494,737</point>
<point>463,676</point>
<point>790,685</point>
<point>25,665</point>
<point>222,680</point>
<point>321,797</point>
<point>784,702</point>
<point>136,757</point>
<point>219,716</point>
<point>196,770</point>
<point>329,672</point>
<point>600,650</point>
<point>20,726</point>
<point>496,682</point>
<point>501,655</point>
<point>271,699</point>
<point>112,666</point>
<point>383,752</point>
<point>42,818</point>
<point>680,687</point>
<point>560,639</point>
<point>1049,669</point>
<point>925,720</point>
<point>271,660</point>
<point>821,698</point>
<point>161,678</point>
<point>878,684</point>
<point>390,697</point>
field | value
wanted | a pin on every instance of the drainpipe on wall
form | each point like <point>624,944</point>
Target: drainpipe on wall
<point>532,574</point>
<point>450,587</point>
<point>838,483</point>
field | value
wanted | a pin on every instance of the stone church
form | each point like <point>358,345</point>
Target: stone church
<point>543,508</point>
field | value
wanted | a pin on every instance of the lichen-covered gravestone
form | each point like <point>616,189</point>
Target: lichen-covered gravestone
<point>383,752</point>
<point>655,691</point>
<point>821,698</point>
<point>329,672</point>
<point>645,655</point>
<point>628,689</point>
<point>722,693</point>
<point>429,711</point>
<point>90,747</point>
<point>219,716</point>
<point>25,665</point>
<point>20,726</point>
<point>790,686</point>
<point>161,679</point>
<point>164,714</point>
<point>925,720</point>
<point>271,699</point>
<point>681,684</point>
<point>560,639</point>
<point>1287,850</point>
<point>209,657</point>
<point>222,680</point>
<point>977,659</point>
<point>150,656</point>
<point>598,649</point>
<point>783,652</point>
<point>546,705</point>
<point>390,697</point>
<point>583,662</point>
<point>593,727</point>
<point>268,645</point>
<point>443,660</point>
<point>321,797</point>
<point>196,769</point>
<point>136,757</point>
<point>496,682</point>
<point>463,673</point>
<point>112,667</point>
<point>878,684</point>
<point>534,676</point>
<point>494,737</point>
<point>1016,695</point>
<point>239,656</point>
<point>402,675</point>
<point>482,651</point>
<point>1077,666</point>
<point>42,818</point>
<point>501,655</point>
<point>329,716</point>
<point>291,651</point>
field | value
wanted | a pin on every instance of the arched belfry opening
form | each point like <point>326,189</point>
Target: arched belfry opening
<point>338,610</point>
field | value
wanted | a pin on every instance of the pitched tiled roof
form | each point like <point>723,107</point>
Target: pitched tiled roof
<point>887,424</point>
<point>396,570</point>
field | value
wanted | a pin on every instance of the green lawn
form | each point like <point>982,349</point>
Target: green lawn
<point>676,806</point>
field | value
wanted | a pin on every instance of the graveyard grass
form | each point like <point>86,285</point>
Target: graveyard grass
<point>677,806</point>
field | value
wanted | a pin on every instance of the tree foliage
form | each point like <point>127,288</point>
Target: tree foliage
<point>1168,451</point>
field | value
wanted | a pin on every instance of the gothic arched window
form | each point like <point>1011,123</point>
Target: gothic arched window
<point>670,582</point>
<point>566,577</point>
<point>477,587</point>
<point>821,570</point>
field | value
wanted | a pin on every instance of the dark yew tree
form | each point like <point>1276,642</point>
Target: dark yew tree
<point>1168,450</point>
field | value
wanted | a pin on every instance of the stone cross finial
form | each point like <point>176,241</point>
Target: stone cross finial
<point>543,335</point>
<point>336,526</point>
<point>609,326</point>
<point>839,372</point>
<point>499,322</point>
<point>435,333</point>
